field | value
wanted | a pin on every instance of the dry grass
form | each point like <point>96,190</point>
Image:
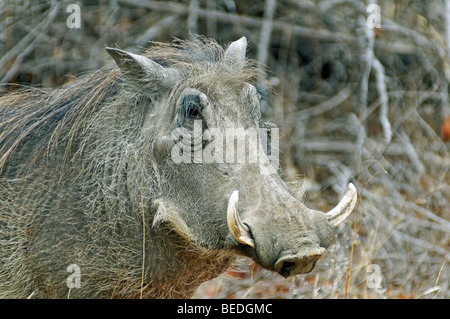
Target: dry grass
<point>353,103</point>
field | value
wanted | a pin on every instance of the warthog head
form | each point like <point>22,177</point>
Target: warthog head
<point>209,196</point>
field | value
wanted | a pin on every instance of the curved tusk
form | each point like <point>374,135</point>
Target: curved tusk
<point>237,228</point>
<point>344,208</point>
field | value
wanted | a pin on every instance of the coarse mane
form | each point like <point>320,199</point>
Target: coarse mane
<point>49,117</point>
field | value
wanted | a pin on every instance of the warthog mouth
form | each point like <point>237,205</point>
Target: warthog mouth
<point>241,233</point>
<point>291,262</point>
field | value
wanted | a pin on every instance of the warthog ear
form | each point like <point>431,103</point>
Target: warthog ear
<point>143,73</point>
<point>235,52</point>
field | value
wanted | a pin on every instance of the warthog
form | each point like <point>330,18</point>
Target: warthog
<point>92,203</point>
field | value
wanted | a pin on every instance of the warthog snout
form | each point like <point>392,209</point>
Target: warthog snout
<point>289,265</point>
<point>287,238</point>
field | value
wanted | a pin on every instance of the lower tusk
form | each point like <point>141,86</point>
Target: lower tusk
<point>344,208</point>
<point>237,228</point>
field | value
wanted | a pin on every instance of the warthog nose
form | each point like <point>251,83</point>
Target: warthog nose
<point>290,265</point>
<point>286,268</point>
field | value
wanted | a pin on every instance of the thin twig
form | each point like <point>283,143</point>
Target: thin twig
<point>381,87</point>
<point>349,270</point>
<point>143,228</point>
<point>266,32</point>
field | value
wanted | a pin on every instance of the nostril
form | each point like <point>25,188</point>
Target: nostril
<point>300,263</point>
<point>286,268</point>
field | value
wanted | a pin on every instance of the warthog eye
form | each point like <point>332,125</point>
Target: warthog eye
<point>191,107</point>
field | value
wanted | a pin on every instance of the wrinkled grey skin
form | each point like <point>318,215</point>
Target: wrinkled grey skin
<point>109,198</point>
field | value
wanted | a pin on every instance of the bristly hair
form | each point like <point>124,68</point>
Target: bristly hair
<point>201,51</point>
<point>48,116</point>
<point>204,56</point>
<point>43,116</point>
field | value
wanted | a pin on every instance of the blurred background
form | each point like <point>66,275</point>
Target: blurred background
<point>361,93</point>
